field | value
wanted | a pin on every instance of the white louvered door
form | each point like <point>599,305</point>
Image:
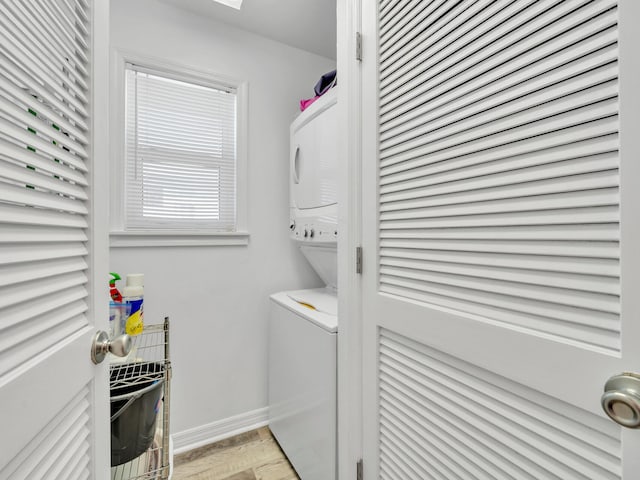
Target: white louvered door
<point>501,221</point>
<point>54,420</point>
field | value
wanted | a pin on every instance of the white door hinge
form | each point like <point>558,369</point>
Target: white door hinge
<point>359,260</point>
<point>358,46</point>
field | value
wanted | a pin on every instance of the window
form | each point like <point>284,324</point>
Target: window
<point>180,154</point>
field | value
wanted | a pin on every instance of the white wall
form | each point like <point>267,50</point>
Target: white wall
<point>217,297</point>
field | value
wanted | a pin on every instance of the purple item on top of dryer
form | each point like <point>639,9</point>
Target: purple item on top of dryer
<point>326,81</point>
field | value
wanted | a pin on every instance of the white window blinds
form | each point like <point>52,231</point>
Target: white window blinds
<point>180,154</point>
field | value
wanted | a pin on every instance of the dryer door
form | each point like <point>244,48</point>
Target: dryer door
<point>314,176</point>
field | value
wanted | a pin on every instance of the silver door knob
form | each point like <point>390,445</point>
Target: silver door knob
<point>621,399</point>
<point>102,344</point>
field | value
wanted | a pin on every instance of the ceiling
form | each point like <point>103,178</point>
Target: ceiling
<point>306,24</point>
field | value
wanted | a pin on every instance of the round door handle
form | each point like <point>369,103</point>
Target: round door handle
<point>621,399</point>
<point>102,344</point>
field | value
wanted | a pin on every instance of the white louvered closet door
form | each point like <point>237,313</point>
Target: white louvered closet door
<point>53,401</point>
<point>501,220</point>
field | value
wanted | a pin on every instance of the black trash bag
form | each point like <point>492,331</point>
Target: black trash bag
<point>135,395</point>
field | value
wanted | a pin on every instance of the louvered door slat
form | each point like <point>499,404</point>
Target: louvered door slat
<point>44,110</point>
<point>457,105</point>
<point>565,163</point>
<point>69,455</point>
<point>19,27</point>
<point>26,9</point>
<point>512,77</point>
<point>395,55</point>
<point>551,201</point>
<point>499,164</point>
<point>541,105</point>
<point>77,465</point>
<point>30,139</point>
<point>14,71</point>
<point>22,116</point>
<point>36,198</point>
<point>14,215</point>
<point>441,54</point>
<point>488,464</point>
<point>396,404</point>
<point>386,6</point>
<point>572,142</point>
<point>68,440</point>
<point>583,283</point>
<point>35,180</point>
<point>506,134</point>
<point>42,73</point>
<point>590,327</point>
<point>68,17</point>
<point>32,234</point>
<point>486,190</point>
<point>543,428</point>
<point>514,105</point>
<point>54,327</point>
<point>82,9</point>
<point>502,53</point>
<point>598,232</point>
<point>407,56</point>
<point>15,153</point>
<point>421,16</point>
<point>37,459</point>
<point>76,18</point>
<point>523,147</point>
<point>84,473</point>
<point>404,426</point>
<point>563,295</point>
<point>56,305</point>
<point>15,294</point>
<point>598,250</point>
<point>562,216</point>
<point>44,269</point>
<point>32,27</point>
<point>46,10</point>
<point>397,11</point>
<point>13,254</point>
<point>421,466</point>
<point>564,447</point>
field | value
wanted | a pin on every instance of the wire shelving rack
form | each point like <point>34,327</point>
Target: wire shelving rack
<point>148,361</point>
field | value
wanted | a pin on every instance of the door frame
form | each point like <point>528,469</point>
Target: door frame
<point>349,22</point>
<point>99,234</point>
<point>629,114</point>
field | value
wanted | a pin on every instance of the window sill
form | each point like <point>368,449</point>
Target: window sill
<point>177,239</point>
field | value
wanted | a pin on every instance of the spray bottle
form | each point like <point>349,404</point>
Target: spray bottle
<point>113,291</point>
<point>117,310</point>
<point>133,295</point>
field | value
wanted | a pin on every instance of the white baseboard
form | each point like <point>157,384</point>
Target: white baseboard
<point>215,431</point>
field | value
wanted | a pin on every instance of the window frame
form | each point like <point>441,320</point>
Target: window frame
<point>119,235</point>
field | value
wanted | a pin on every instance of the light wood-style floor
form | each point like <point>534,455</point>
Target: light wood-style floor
<point>253,455</point>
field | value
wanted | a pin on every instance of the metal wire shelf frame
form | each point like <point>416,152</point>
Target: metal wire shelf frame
<point>151,347</point>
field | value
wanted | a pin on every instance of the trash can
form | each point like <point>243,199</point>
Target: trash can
<point>136,390</point>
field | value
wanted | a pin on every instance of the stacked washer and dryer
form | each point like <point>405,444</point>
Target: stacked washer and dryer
<point>303,324</point>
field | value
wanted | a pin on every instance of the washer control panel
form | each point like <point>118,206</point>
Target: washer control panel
<point>313,231</point>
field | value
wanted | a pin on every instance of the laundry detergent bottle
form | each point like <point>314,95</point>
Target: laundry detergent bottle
<point>133,295</point>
